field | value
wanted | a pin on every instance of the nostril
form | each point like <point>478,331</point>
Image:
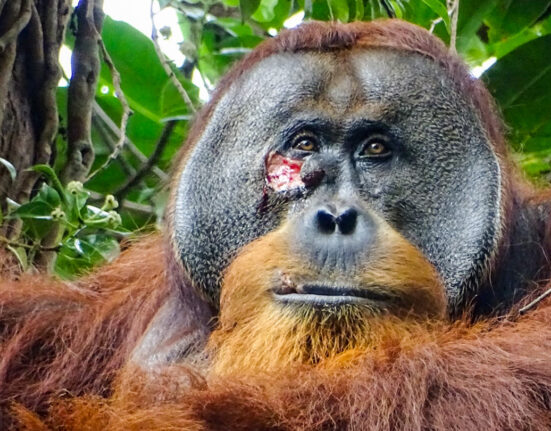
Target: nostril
<point>347,221</point>
<point>325,221</point>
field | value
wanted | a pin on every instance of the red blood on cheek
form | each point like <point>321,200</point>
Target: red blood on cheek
<point>283,173</point>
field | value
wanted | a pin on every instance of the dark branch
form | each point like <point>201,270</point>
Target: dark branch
<point>126,111</point>
<point>104,132</point>
<point>17,16</point>
<point>128,144</point>
<point>151,161</point>
<point>19,24</point>
<point>86,65</point>
<point>388,9</point>
<point>38,49</point>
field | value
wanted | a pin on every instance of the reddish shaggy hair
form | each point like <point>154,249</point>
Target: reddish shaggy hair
<point>72,338</point>
<point>63,344</point>
<point>493,376</point>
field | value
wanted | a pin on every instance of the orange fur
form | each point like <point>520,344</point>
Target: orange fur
<point>256,333</point>
<point>62,345</point>
<point>495,375</point>
<point>71,338</point>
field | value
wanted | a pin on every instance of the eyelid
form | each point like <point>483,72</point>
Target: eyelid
<point>305,135</point>
<point>376,137</point>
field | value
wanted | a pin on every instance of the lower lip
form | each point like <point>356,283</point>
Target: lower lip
<point>320,300</point>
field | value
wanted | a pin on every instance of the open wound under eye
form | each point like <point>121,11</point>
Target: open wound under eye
<point>283,173</point>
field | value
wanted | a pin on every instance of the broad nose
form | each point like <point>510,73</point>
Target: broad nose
<point>335,234</point>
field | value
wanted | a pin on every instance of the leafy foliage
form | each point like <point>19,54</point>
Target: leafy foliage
<point>515,35</point>
<point>85,233</point>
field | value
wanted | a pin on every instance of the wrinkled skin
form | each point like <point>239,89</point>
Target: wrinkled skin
<point>440,187</point>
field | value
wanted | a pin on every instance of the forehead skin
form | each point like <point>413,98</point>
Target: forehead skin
<point>442,192</point>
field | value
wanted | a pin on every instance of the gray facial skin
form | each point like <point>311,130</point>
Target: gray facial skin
<point>440,187</point>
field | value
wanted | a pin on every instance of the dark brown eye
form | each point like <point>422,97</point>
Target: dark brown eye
<point>375,148</point>
<point>306,143</point>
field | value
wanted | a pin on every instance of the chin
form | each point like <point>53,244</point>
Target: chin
<point>279,309</point>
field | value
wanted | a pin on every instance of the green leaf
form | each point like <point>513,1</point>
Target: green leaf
<point>338,9</point>
<point>171,101</point>
<point>21,255</point>
<point>505,46</point>
<point>471,18</point>
<point>48,195</point>
<point>79,255</point>
<point>320,10</point>
<point>233,27</point>
<point>49,173</point>
<point>397,7</point>
<point>248,7</point>
<point>35,209</point>
<point>37,213</point>
<point>143,82</point>
<point>76,201</point>
<point>512,16</point>
<point>283,9</point>
<point>418,12</point>
<point>265,11</point>
<point>37,218</point>
<point>439,7</point>
<point>520,83</point>
<point>142,75</point>
<point>359,9</point>
<point>11,169</point>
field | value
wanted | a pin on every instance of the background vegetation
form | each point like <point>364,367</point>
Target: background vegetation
<point>84,165</point>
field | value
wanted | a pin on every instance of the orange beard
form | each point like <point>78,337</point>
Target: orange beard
<point>257,333</point>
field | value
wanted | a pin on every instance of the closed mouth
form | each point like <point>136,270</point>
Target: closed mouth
<point>324,295</point>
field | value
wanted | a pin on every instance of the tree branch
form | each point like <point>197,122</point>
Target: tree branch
<point>17,25</point>
<point>535,302</point>
<point>453,12</point>
<point>126,111</point>
<point>41,40</point>
<point>17,14</point>
<point>44,36</point>
<point>146,167</point>
<point>86,66</point>
<point>166,65</point>
<point>128,143</point>
<point>107,138</point>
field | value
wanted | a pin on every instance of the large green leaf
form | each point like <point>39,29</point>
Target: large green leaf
<point>142,131</point>
<point>143,77</point>
<point>471,18</point>
<point>427,13</point>
<point>512,16</point>
<point>248,7</point>
<point>79,255</point>
<point>439,7</point>
<point>521,83</point>
<point>505,46</point>
<point>338,10</point>
<point>266,11</point>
